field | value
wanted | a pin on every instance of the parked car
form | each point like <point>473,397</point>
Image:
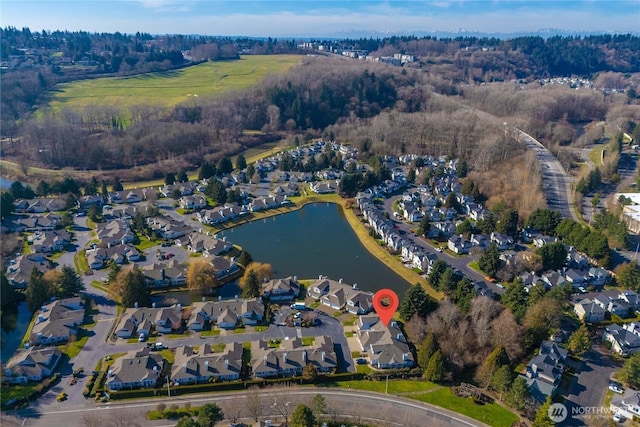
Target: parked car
<point>616,388</point>
<point>62,396</point>
<point>142,337</point>
<point>165,244</point>
<point>617,417</point>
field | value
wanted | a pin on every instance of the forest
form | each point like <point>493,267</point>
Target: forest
<point>378,108</point>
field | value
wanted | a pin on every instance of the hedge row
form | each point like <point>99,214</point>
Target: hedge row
<point>229,386</point>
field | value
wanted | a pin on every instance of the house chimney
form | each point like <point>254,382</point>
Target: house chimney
<point>219,297</point>
<point>135,304</point>
<point>206,365</point>
<point>153,305</point>
<point>340,280</point>
<point>304,356</point>
<point>324,356</point>
<point>284,357</point>
<point>295,278</point>
<point>226,363</point>
<point>184,367</point>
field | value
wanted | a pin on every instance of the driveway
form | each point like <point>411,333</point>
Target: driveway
<point>459,263</point>
<point>82,235</point>
<point>590,383</point>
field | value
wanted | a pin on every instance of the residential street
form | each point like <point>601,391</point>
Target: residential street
<point>361,406</point>
<point>591,383</point>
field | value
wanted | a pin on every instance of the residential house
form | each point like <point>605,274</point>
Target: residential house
<point>193,202</point>
<point>47,222</point>
<point>503,241</point>
<point>627,404</point>
<point>114,233</point>
<point>624,340</point>
<point>224,266</point>
<point>208,245</point>
<point>96,258</point>
<point>459,244</point>
<point>386,346</point>
<point>576,277</point>
<point>614,303</point>
<point>169,274</point>
<point>227,314</point>
<point>338,296</point>
<point>281,290</point>
<point>19,270</point>
<point>136,321</point>
<point>588,311</point>
<point>324,187</point>
<point>57,321</point>
<point>544,371</point>
<point>598,277</point>
<point>292,357</point>
<point>49,241</point>
<point>137,369</point>
<point>206,365</point>
<point>31,365</point>
<point>168,320</point>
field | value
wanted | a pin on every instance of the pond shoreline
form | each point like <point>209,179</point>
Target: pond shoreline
<point>379,252</point>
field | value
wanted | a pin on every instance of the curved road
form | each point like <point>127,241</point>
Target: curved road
<point>556,182</point>
<point>358,405</point>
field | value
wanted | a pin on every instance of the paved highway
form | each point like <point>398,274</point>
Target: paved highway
<point>556,182</point>
<point>360,406</point>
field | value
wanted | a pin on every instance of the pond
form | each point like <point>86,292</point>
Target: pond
<point>312,241</point>
<point>15,321</point>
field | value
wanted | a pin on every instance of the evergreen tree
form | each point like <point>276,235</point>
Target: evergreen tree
<point>515,299</point>
<point>436,369</point>
<point>497,358</point>
<point>209,415</point>
<point>518,394</point>
<point>241,162</point>
<point>70,283</point>
<point>252,286</point>
<point>508,223</point>
<point>207,170</point>
<point>630,371</point>
<point>426,349</point>
<point>579,341</point>
<point>302,416</point>
<point>463,168</point>
<point>542,416</point>
<point>182,176</point>
<point>169,178</point>
<point>416,301</point>
<point>117,185</point>
<point>502,379</point>
<point>104,191</point>
<point>318,405</point>
<point>554,255</point>
<point>425,227</point>
<point>39,291</point>
<point>489,261</point>
<point>628,276</point>
<point>437,270</point>
<point>225,166</point>
<point>6,205</point>
<point>411,175</point>
<point>448,281</point>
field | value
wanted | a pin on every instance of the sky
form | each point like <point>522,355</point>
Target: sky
<point>306,18</point>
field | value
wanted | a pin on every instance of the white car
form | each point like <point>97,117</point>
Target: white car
<point>616,388</point>
<point>617,417</point>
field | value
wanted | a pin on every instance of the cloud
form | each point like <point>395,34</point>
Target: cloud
<point>168,5</point>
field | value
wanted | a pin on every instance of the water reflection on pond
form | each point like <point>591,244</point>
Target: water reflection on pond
<point>312,241</point>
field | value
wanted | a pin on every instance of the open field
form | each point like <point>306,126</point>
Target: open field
<point>168,88</point>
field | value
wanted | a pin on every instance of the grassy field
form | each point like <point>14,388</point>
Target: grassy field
<point>492,414</point>
<point>168,88</point>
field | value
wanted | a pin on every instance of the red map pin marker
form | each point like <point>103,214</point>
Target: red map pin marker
<point>385,302</point>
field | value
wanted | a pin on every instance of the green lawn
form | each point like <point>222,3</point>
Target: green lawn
<point>260,328</point>
<point>16,391</point>
<point>493,414</point>
<point>169,88</point>
<point>395,386</point>
<point>212,333</point>
<point>72,349</point>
